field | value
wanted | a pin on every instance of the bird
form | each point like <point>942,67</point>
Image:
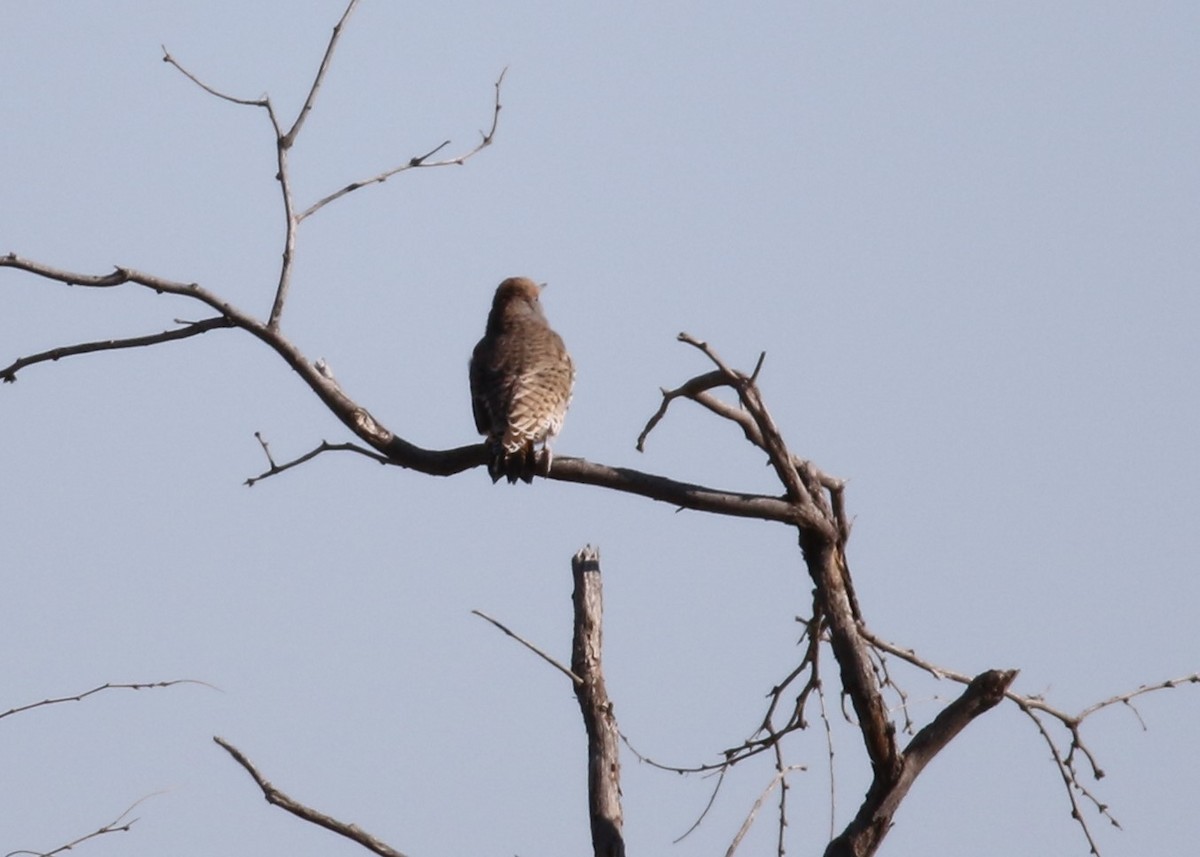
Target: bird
<point>521,381</point>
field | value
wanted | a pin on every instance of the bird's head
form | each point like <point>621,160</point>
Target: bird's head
<point>515,289</point>
<point>516,298</point>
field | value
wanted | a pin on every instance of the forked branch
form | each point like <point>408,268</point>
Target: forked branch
<point>121,824</point>
<point>864,834</point>
<point>1036,708</point>
<point>324,446</point>
<point>284,141</point>
<point>401,452</point>
<point>417,161</point>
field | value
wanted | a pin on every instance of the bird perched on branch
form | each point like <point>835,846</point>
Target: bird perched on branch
<point>521,379</point>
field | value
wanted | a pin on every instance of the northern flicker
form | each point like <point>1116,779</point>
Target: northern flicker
<point>521,379</point>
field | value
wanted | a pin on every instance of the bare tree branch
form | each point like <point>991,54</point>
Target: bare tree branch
<point>281,175</point>
<point>823,530</point>
<point>1127,698</point>
<point>121,824</point>
<point>813,502</point>
<point>695,390</point>
<point>683,495</point>
<point>79,697</point>
<point>405,454</point>
<point>1070,781</point>
<point>289,138</point>
<point>539,652</point>
<point>864,834</point>
<point>779,779</point>
<point>9,373</point>
<point>325,446</point>
<point>771,441</point>
<point>829,756</point>
<point>277,798</point>
<point>416,162</point>
<point>1031,706</point>
<point>283,143</point>
<point>211,90</point>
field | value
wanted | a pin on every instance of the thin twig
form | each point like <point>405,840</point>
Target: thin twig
<point>281,174</point>
<point>780,847</point>
<point>689,389</point>
<point>1126,698</point>
<point>1068,778</point>
<point>289,138</point>
<point>247,102</point>
<point>721,771</point>
<point>779,777</point>
<point>541,654</point>
<point>674,769</point>
<point>325,446</point>
<point>117,825</point>
<point>832,775</point>
<point>106,686</point>
<point>416,162</point>
<point>283,143</point>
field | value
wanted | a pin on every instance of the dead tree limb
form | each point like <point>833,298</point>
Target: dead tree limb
<point>822,531</point>
<point>604,764</point>
<point>277,798</point>
<point>864,834</point>
<point>1065,754</point>
<point>403,453</point>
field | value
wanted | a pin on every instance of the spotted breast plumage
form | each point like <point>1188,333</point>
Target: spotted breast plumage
<point>521,380</point>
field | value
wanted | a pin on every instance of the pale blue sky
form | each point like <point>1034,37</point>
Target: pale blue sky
<point>965,235</point>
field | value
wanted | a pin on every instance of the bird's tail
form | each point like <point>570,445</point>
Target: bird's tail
<point>518,465</point>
